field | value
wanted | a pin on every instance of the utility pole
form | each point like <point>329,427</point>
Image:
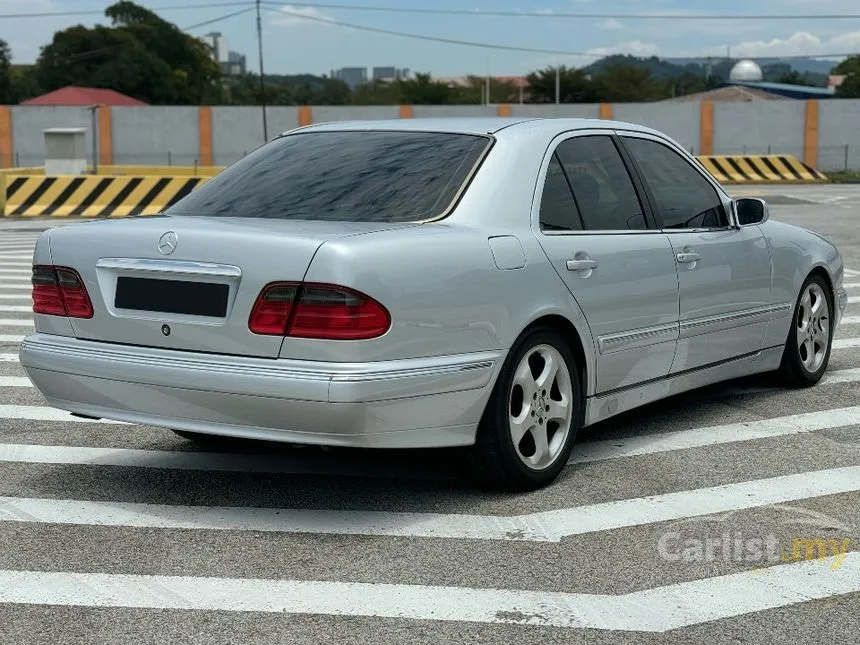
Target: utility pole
<point>262,74</point>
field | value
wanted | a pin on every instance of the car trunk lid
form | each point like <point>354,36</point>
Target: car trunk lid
<point>188,283</point>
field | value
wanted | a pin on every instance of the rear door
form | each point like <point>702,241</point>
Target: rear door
<point>724,271</point>
<point>595,229</point>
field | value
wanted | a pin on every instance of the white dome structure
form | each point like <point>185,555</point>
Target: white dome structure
<point>746,71</point>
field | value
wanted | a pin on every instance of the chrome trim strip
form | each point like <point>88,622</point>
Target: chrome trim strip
<point>170,266</point>
<point>257,367</point>
<point>616,342</point>
<point>734,316</point>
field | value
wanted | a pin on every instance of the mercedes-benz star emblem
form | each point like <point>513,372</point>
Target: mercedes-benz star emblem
<point>165,329</point>
<point>167,243</point>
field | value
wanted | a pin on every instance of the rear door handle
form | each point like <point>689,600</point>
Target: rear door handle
<point>687,258</point>
<point>581,265</point>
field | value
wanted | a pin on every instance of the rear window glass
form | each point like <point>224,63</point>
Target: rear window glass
<point>369,176</point>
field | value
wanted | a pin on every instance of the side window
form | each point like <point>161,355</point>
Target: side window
<point>558,211</point>
<point>685,199</point>
<point>602,187</point>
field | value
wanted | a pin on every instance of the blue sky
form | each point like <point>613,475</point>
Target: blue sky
<point>292,45</point>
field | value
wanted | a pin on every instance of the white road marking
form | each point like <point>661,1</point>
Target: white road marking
<point>547,526</point>
<point>853,300</point>
<point>7,276</point>
<point>11,338</point>
<point>830,378</point>
<point>16,322</point>
<point>846,343</point>
<point>9,358</point>
<point>851,285</point>
<point>16,287</point>
<point>44,413</point>
<point>15,296</point>
<point>851,272</point>
<point>15,381</point>
<point>850,320</point>
<point>17,308</point>
<point>660,609</point>
<point>5,257</point>
<point>583,453</point>
<point>714,435</point>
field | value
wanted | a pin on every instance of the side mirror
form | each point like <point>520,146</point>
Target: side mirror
<point>751,210</point>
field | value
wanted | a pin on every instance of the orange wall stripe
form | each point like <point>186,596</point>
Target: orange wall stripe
<point>606,111</point>
<point>204,127</point>
<point>406,112</point>
<point>706,128</point>
<point>504,109</point>
<point>306,117</point>
<point>105,136</point>
<point>7,146</point>
<point>810,134</point>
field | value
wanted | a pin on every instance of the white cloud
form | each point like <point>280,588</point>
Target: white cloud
<point>610,24</point>
<point>799,43</point>
<point>291,15</point>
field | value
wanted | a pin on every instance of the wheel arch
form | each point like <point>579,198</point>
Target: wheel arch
<point>567,330</point>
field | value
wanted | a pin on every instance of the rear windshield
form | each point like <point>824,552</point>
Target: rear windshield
<point>369,176</point>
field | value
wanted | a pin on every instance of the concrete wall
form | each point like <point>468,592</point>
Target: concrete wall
<point>155,135</point>
<point>29,122</point>
<point>185,135</point>
<point>839,135</point>
<point>774,127</point>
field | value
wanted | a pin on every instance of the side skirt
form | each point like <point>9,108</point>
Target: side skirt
<point>604,406</point>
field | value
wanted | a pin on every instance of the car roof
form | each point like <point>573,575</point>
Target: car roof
<point>477,125</point>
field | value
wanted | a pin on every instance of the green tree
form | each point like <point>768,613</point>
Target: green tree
<point>575,85</point>
<point>850,88</point>
<point>625,83</point>
<point>140,55</point>
<point>5,73</point>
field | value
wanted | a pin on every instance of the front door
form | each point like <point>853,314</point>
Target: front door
<point>724,271</point>
<point>620,270</point>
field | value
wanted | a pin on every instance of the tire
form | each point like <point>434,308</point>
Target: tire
<point>811,327</point>
<point>499,462</point>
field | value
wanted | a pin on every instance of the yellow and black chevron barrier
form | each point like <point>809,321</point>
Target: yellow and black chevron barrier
<point>739,169</point>
<point>93,196</point>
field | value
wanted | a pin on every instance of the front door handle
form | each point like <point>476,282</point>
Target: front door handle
<point>581,265</point>
<point>688,258</point>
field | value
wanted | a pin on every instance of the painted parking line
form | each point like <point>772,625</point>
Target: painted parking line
<point>284,464</point>
<point>44,413</point>
<point>660,609</point>
<point>546,526</point>
<point>9,358</point>
<point>846,343</point>
<point>850,320</point>
<point>16,308</point>
<point>17,322</point>
<point>15,381</point>
<point>830,378</point>
<point>11,338</point>
<point>15,296</point>
<point>25,285</point>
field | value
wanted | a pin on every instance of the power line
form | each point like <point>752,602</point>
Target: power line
<point>218,19</point>
<point>583,15</point>
<point>503,47</point>
<point>92,12</point>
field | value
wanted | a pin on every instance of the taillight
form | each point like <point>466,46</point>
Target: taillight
<point>320,311</point>
<point>271,312</point>
<point>60,291</point>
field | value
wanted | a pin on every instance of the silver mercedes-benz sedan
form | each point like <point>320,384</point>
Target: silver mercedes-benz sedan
<point>495,284</point>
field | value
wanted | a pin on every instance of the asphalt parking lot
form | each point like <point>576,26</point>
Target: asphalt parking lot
<point>682,522</point>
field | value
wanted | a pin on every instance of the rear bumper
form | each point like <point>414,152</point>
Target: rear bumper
<point>426,402</point>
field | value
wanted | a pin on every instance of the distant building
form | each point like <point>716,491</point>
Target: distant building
<point>746,84</point>
<point>352,76</point>
<point>84,97</point>
<point>835,80</point>
<point>236,65</point>
<point>390,74</point>
<point>218,46</point>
